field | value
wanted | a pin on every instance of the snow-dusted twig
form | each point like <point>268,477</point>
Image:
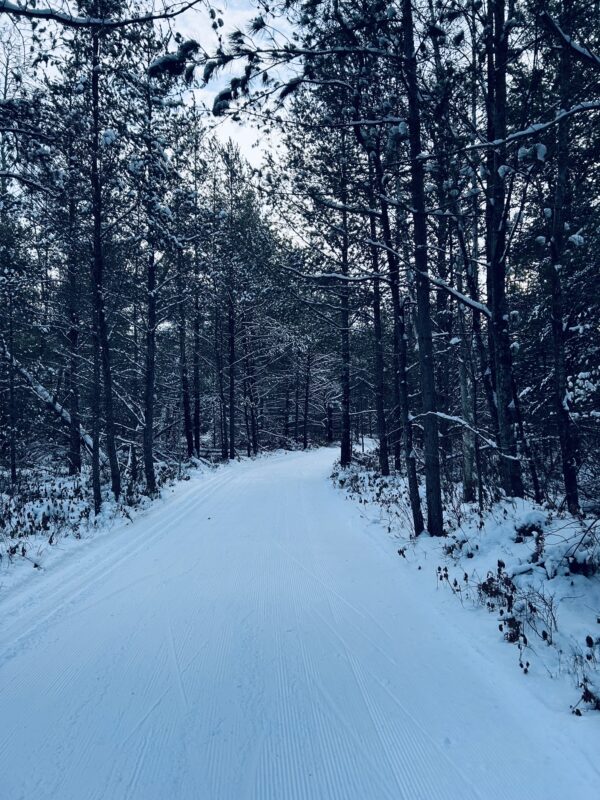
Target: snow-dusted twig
<point>75,21</point>
<point>15,176</point>
<point>578,50</point>
<point>536,127</point>
<point>462,298</point>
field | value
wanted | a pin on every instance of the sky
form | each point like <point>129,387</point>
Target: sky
<point>196,24</point>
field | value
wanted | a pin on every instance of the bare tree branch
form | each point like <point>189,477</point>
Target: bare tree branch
<point>73,21</point>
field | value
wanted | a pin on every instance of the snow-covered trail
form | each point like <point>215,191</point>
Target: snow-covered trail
<point>254,638</point>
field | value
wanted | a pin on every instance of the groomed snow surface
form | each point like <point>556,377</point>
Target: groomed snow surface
<point>253,636</point>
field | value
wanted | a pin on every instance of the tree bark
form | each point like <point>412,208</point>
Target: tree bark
<point>231,333</point>
<point>150,376</point>
<point>433,491</point>
<point>379,359</point>
<point>306,399</point>
<point>101,328</point>
<point>402,415</point>
<point>221,387</point>
<point>496,222</point>
<point>466,400</point>
<point>346,443</point>
<point>286,416</point>
<point>566,433</point>
<point>183,367</point>
<point>196,358</point>
<point>12,402</point>
<point>74,457</point>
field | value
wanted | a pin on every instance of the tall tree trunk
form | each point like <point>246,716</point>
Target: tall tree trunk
<point>466,400</point>
<point>400,381</point>
<point>379,360</point>
<point>297,406</point>
<point>252,395</point>
<point>12,406</point>
<point>306,399</point>
<point>468,437</point>
<point>101,332</point>
<point>443,256</point>
<point>231,333</point>
<point>346,443</point>
<point>151,306</point>
<point>196,358</point>
<point>433,491</point>
<point>400,357</point>
<point>150,377</point>
<point>328,422</point>
<point>12,400</point>
<point>496,222</point>
<point>246,416</point>
<point>183,367</point>
<point>221,387</point>
<point>73,339</point>
<point>133,457</point>
<point>95,409</point>
<point>286,415</point>
<point>403,429</point>
<point>566,433</point>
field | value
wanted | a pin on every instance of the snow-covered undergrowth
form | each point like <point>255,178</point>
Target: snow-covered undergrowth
<point>537,572</point>
<point>49,514</point>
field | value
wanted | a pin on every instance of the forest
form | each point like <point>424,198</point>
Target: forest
<point>414,260</point>
<point>300,334</point>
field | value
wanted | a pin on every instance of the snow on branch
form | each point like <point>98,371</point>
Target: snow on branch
<point>25,132</point>
<point>335,206</point>
<point>46,397</point>
<point>338,276</point>
<point>460,421</point>
<point>462,298</point>
<point>537,127</point>
<point>14,176</point>
<point>74,21</point>
<point>579,51</point>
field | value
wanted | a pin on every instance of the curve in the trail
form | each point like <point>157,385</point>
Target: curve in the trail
<point>254,638</point>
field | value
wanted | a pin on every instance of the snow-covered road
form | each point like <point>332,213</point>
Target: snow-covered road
<point>253,636</point>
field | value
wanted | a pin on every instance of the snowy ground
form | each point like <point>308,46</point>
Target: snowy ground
<point>534,569</point>
<point>255,636</point>
<point>50,514</point>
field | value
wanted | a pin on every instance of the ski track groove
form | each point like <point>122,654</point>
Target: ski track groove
<point>175,664</point>
<point>250,639</point>
<point>67,595</point>
<point>337,751</point>
<point>326,593</point>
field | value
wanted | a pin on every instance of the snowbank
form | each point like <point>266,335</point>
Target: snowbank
<point>535,570</point>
